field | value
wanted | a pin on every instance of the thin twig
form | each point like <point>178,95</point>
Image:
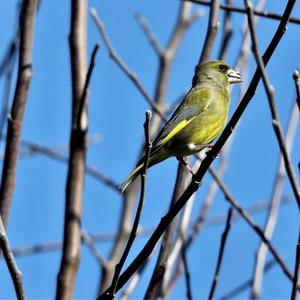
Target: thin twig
<point>186,272</point>
<point>110,236</point>
<point>271,98</point>
<point>75,178</point>
<point>226,33</point>
<point>296,272</point>
<point>213,26</point>
<point>296,78</point>
<point>155,287</point>
<point>27,18</point>
<point>264,14</point>
<point>112,289</point>
<point>53,153</point>
<point>14,271</point>
<point>220,255</point>
<point>274,206</point>
<point>133,77</point>
<point>253,225</point>
<point>149,34</point>
<point>82,102</point>
<point>88,240</point>
<point>194,185</point>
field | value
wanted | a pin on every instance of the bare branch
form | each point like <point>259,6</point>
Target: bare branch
<point>88,240</point>
<point>211,33</point>
<point>133,77</point>
<point>296,77</point>
<point>83,101</point>
<point>112,289</point>
<point>226,33</point>
<point>142,232</point>
<point>75,178</point>
<point>15,119</point>
<point>155,287</point>
<point>274,206</point>
<point>228,7</point>
<point>14,271</point>
<point>186,273</point>
<point>251,223</point>
<point>271,98</point>
<point>220,255</point>
<point>296,272</point>
<point>53,153</point>
<point>149,34</point>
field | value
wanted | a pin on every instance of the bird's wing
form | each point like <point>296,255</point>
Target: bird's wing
<point>195,102</point>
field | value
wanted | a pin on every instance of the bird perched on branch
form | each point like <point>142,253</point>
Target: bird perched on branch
<point>198,120</point>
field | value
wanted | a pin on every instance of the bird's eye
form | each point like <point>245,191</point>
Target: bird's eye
<point>223,68</point>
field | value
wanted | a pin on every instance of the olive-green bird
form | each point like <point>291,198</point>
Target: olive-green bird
<point>198,120</point>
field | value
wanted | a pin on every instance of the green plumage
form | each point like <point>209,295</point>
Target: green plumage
<point>198,120</point>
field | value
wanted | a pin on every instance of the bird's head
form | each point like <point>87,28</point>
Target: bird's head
<point>217,71</point>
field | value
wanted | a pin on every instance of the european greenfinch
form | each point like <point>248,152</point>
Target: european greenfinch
<point>199,118</point>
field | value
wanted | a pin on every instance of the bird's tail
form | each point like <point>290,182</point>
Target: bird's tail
<point>132,176</point>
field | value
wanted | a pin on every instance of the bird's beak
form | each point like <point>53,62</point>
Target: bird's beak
<point>234,76</point>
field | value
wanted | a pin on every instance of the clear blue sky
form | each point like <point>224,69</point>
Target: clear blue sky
<point>117,114</point>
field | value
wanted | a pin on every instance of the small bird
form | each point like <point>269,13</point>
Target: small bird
<point>198,120</point>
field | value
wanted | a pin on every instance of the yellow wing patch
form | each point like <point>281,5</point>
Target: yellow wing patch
<point>176,129</point>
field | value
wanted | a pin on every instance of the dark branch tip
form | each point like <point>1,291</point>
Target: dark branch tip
<point>296,75</point>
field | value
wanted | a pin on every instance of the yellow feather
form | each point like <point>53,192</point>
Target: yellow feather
<point>176,129</point>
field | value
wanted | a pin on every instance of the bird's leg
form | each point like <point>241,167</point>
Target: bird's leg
<point>182,160</point>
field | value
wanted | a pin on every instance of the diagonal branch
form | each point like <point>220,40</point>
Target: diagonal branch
<point>271,98</point>
<point>296,78</point>
<point>212,30</point>
<point>14,271</point>
<point>148,145</point>
<point>274,207</point>
<point>123,66</point>
<point>15,119</point>
<point>221,252</point>
<point>228,7</point>
<point>197,179</point>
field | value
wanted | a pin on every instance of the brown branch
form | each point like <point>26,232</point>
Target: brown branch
<point>228,7</point>
<point>14,271</point>
<point>89,241</point>
<point>75,178</point>
<point>7,67</point>
<point>155,287</point>
<point>274,206</point>
<point>149,34</point>
<point>15,119</point>
<point>148,145</point>
<point>272,103</point>
<point>83,101</point>
<point>131,75</point>
<point>186,272</point>
<point>296,78</point>
<point>251,223</point>
<point>220,255</point>
<point>296,272</point>
<point>111,236</point>
<point>194,185</point>
<point>53,153</point>
<point>226,33</point>
<point>212,29</point>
